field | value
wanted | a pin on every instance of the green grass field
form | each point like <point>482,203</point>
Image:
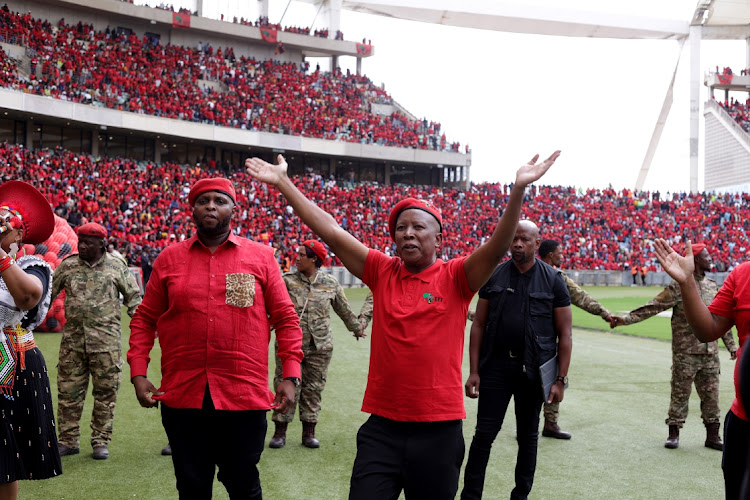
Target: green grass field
<point>615,408</point>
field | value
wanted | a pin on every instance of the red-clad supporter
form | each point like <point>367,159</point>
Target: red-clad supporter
<point>124,72</point>
<point>599,228</point>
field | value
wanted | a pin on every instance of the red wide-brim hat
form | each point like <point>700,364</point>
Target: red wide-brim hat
<point>38,220</point>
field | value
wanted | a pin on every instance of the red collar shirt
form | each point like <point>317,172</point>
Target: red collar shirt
<point>214,314</point>
<point>417,339</point>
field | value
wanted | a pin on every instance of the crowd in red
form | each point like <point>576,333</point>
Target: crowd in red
<point>740,112</point>
<point>121,71</point>
<point>600,229</point>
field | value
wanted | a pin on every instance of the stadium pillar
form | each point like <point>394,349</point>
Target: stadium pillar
<point>695,105</point>
<point>199,7</point>
<point>263,8</point>
<point>747,52</point>
<point>94,144</point>
<point>332,13</point>
<point>359,66</point>
<point>334,62</point>
<point>387,173</point>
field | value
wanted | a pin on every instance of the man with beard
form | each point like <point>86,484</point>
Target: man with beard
<point>214,298</point>
<point>693,361</point>
<point>523,319</point>
<point>91,344</point>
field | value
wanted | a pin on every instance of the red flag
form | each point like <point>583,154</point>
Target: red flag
<point>269,35</point>
<point>180,20</point>
<point>725,79</point>
<point>364,49</point>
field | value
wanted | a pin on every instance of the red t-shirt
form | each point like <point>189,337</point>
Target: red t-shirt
<point>417,339</point>
<point>214,315</point>
<point>733,301</point>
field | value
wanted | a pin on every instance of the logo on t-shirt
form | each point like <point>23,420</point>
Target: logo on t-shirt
<point>431,298</point>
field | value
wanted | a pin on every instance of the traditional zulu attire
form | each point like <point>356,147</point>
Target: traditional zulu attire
<point>28,439</point>
<point>313,300</point>
<point>692,360</point>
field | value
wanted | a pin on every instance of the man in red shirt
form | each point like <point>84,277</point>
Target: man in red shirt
<point>413,439</point>
<point>213,299</point>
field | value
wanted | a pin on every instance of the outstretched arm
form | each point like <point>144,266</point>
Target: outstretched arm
<point>480,264</point>
<point>706,326</point>
<point>347,248</point>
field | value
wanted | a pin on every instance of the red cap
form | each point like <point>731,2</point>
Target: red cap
<point>409,203</point>
<point>317,247</point>
<point>219,184</point>
<point>697,248</point>
<point>92,229</point>
<point>37,218</point>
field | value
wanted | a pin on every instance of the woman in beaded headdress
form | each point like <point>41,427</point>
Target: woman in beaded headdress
<point>28,441</point>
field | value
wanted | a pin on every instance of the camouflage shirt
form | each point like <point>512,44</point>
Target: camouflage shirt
<point>92,301</point>
<point>319,295</point>
<point>579,298</point>
<point>683,339</point>
<point>365,314</point>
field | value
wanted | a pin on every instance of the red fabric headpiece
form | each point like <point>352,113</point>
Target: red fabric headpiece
<point>37,218</point>
<point>697,248</point>
<point>92,229</point>
<point>318,248</point>
<point>219,184</point>
<point>410,203</point>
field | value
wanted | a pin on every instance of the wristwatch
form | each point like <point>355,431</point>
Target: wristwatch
<point>563,379</point>
<point>295,380</point>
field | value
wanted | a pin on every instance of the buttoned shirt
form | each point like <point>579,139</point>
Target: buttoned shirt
<point>92,301</point>
<point>214,314</point>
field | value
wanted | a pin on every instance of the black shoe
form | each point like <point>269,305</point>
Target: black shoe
<point>65,450</point>
<point>100,452</point>
<point>167,450</point>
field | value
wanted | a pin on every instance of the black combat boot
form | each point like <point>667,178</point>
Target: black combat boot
<point>673,441</point>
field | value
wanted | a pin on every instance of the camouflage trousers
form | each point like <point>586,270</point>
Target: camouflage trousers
<point>703,370</point>
<point>551,412</point>
<point>73,371</point>
<point>308,395</point>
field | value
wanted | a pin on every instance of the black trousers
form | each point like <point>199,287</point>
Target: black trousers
<point>421,458</point>
<point>734,460</point>
<point>203,439</point>
<point>501,378</point>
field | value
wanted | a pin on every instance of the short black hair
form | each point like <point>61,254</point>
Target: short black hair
<point>547,247</point>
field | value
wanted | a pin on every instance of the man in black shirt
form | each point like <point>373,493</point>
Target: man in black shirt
<point>523,320</point>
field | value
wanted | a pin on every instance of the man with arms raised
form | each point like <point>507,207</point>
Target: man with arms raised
<point>413,439</point>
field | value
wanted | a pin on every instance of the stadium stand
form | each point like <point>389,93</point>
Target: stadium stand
<point>145,209</point>
<point>119,70</point>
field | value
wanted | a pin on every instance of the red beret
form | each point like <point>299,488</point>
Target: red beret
<point>318,248</point>
<point>92,229</point>
<point>37,218</point>
<point>697,248</point>
<point>219,184</point>
<point>410,203</point>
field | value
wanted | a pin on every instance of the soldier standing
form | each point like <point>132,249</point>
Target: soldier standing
<point>550,251</point>
<point>91,344</point>
<point>693,361</point>
<point>313,293</point>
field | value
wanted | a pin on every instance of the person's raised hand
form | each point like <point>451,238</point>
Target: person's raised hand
<point>532,170</point>
<point>265,172</point>
<point>678,267</point>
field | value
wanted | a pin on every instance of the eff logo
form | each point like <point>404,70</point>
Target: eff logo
<point>431,298</point>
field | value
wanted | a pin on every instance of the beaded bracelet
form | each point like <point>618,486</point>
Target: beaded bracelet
<point>6,262</point>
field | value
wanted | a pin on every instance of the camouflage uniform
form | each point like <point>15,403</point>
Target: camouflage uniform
<point>365,314</point>
<point>91,342</point>
<point>581,299</point>
<point>313,301</point>
<point>692,360</point>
